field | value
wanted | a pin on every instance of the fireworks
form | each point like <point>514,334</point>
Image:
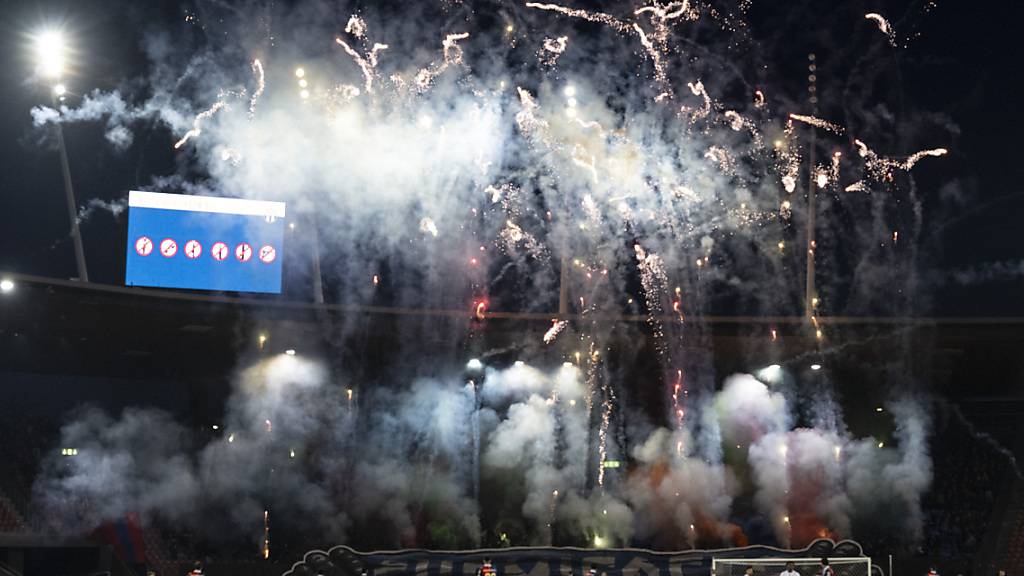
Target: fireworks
<point>261,85</point>
<point>551,49</point>
<point>556,328</point>
<point>197,123</point>
<point>883,26</point>
<point>818,123</point>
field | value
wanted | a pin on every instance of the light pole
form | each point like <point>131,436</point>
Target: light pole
<point>50,52</point>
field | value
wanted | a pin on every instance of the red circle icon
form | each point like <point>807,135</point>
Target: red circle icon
<point>193,249</point>
<point>243,252</point>
<point>267,254</point>
<point>168,247</point>
<point>219,251</point>
<point>143,246</point>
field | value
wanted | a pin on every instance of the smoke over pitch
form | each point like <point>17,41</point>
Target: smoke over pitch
<point>444,154</point>
<point>401,461</point>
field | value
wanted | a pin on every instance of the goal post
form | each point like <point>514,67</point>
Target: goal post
<point>857,566</point>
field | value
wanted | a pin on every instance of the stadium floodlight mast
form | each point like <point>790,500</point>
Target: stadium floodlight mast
<point>51,59</point>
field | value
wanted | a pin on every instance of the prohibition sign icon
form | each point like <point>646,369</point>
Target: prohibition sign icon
<point>168,247</point>
<point>193,249</point>
<point>143,246</point>
<point>267,254</point>
<point>219,251</point>
<point>243,252</point>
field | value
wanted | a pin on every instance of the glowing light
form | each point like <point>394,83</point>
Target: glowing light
<point>290,352</point>
<point>881,444</point>
<point>518,363</point>
<point>879,409</point>
<point>598,541</point>
<point>815,366</point>
<point>6,285</point>
<point>231,438</point>
<point>569,91</point>
<point>474,364</point>
<point>770,373</point>
<point>300,72</point>
<point>303,83</point>
<point>60,89</point>
<point>51,52</point>
<point>262,340</point>
<point>215,427</point>
<point>304,94</point>
<point>348,394</point>
<point>509,28</point>
<point>785,519</point>
<point>291,453</point>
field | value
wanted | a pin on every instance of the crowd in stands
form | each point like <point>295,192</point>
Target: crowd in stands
<point>969,476</point>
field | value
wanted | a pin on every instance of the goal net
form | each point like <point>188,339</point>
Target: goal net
<point>804,566</point>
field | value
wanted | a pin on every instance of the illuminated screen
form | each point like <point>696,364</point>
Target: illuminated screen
<point>204,243</point>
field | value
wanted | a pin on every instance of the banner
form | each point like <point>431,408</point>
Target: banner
<point>344,561</point>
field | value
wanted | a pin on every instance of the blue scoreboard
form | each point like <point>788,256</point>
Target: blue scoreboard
<point>204,242</point>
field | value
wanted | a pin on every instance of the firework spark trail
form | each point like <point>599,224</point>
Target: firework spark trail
<point>654,48</point>
<point>697,88</point>
<point>356,26</point>
<point>368,65</point>
<point>197,123</point>
<point>653,280</point>
<point>527,121</point>
<point>884,26</point>
<point>556,328</point>
<point>677,410</point>
<point>607,407</point>
<point>657,45</point>
<point>818,123</point>
<point>915,157</point>
<point>261,84</point>
<point>881,169</point>
<point>452,57</point>
<point>586,161</point>
<point>512,235</point>
<point>598,17</point>
<point>659,67</point>
<point>738,123</point>
<point>551,49</point>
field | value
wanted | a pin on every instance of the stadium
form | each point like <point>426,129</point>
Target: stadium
<point>297,287</point>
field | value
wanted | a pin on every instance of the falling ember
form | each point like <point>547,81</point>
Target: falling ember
<point>270,427</point>
<point>376,279</point>
<point>895,236</point>
<point>556,327</point>
<point>775,335</point>
<point>481,309</point>
<point>348,394</point>
<point>266,534</point>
